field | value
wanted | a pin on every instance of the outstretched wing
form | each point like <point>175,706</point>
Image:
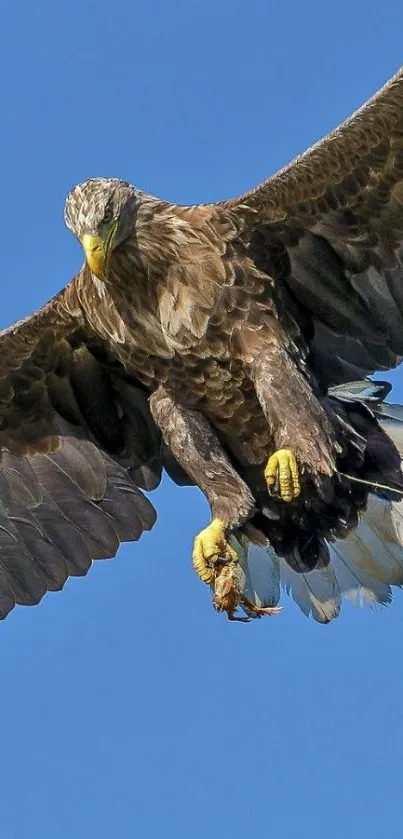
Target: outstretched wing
<point>329,228</point>
<point>77,444</point>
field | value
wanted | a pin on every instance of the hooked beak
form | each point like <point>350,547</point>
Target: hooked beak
<point>97,251</point>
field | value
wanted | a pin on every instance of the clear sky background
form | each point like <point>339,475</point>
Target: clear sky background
<point>127,707</point>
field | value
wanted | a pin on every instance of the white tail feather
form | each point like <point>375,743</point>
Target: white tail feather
<point>353,568</point>
<point>316,592</point>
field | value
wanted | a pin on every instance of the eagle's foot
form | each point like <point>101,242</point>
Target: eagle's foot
<point>282,475</point>
<point>211,551</point>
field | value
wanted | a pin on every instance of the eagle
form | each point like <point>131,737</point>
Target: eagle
<point>231,345</point>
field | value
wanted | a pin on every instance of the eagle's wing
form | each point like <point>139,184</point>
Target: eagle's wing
<point>77,443</point>
<point>329,228</point>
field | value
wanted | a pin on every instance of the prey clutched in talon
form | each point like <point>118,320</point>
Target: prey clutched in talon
<point>282,475</point>
<point>228,596</point>
<point>211,550</point>
<point>216,563</point>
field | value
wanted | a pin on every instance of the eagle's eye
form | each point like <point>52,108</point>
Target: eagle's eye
<point>108,215</point>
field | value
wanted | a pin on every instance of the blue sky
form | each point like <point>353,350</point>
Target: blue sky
<point>128,708</point>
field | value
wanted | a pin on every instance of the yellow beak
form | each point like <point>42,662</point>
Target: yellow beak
<point>95,254</point>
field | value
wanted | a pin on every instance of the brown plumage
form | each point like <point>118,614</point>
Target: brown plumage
<point>207,340</point>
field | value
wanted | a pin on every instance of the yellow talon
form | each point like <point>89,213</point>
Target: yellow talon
<point>282,475</point>
<point>211,550</point>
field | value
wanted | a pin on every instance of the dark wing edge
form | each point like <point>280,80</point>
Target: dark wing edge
<point>77,443</point>
<point>329,228</point>
<point>329,161</point>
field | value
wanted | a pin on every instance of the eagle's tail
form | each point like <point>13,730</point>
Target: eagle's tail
<point>362,567</point>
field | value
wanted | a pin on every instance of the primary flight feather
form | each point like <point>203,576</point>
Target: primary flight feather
<point>229,344</point>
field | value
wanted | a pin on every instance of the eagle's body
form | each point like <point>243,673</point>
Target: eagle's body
<point>200,353</point>
<point>230,345</point>
<point>203,358</point>
<point>197,356</point>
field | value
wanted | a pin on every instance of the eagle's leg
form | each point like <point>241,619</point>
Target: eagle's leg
<point>197,449</point>
<point>301,431</point>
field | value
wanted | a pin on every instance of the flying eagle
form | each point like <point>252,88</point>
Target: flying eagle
<point>230,344</point>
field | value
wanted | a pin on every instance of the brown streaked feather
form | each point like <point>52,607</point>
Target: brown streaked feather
<point>329,229</point>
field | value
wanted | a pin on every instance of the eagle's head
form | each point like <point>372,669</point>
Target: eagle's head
<point>101,212</point>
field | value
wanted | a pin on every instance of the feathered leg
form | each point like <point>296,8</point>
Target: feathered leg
<point>195,446</point>
<point>302,433</point>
